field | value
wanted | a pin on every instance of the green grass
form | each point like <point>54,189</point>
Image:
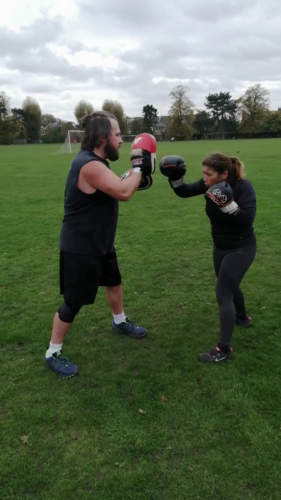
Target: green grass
<point>208,432</point>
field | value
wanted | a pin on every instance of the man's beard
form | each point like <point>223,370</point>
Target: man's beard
<point>111,152</point>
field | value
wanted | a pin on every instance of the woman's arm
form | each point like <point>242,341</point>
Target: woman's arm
<point>184,190</point>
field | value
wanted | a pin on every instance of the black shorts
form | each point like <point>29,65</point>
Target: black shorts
<point>81,276</point>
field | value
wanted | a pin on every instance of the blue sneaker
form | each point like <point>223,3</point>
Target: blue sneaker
<point>129,328</point>
<point>61,365</point>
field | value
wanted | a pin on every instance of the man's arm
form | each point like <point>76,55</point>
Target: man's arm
<point>98,176</point>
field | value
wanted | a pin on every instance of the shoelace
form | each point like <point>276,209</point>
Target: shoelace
<point>215,351</point>
<point>62,359</point>
<point>129,325</point>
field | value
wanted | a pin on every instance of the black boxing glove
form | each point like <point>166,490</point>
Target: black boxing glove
<point>221,194</point>
<point>174,168</point>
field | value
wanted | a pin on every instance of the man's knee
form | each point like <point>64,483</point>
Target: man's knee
<point>67,313</point>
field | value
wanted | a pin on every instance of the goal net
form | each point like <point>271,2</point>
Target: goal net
<point>72,143</point>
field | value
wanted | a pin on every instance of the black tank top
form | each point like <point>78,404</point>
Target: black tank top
<point>90,220</point>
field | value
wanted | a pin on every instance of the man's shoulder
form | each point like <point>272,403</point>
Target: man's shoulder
<point>84,156</point>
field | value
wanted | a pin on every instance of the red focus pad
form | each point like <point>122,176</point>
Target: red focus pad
<point>144,141</point>
<point>143,153</point>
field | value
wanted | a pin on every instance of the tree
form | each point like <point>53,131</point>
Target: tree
<point>46,119</point>
<point>149,118</point>
<point>253,106</point>
<point>9,127</point>
<point>4,105</point>
<point>117,109</point>
<point>9,130</point>
<point>202,123</point>
<point>272,123</point>
<point>33,116</point>
<point>81,109</point>
<point>19,117</point>
<point>137,126</point>
<point>223,109</point>
<point>180,113</point>
<point>66,126</point>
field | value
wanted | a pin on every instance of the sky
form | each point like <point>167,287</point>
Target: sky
<point>62,51</point>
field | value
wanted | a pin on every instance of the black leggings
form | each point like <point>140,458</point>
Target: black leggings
<point>230,267</point>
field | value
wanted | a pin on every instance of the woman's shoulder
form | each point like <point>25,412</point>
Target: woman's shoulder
<point>242,184</point>
<point>243,187</point>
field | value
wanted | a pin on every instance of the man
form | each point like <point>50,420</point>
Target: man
<point>87,254</point>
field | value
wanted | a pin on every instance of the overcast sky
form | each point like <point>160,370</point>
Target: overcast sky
<point>61,51</point>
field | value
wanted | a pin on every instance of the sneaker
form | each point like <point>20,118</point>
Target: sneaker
<point>246,322</point>
<point>216,355</point>
<point>128,328</point>
<point>61,365</point>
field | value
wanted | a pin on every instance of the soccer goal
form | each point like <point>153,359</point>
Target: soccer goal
<point>72,142</point>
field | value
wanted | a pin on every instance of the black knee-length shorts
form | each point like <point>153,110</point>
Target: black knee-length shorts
<point>82,275</point>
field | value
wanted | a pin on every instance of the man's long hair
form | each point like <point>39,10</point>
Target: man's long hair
<point>96,128</point>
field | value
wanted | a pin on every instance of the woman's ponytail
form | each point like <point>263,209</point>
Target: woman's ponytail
<point>238,168</point>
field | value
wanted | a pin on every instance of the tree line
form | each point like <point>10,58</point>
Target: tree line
<point>223,116</point>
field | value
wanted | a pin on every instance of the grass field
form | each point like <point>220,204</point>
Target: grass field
<point>206,432</point>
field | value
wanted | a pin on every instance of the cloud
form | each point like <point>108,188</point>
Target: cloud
<point>136,53</point>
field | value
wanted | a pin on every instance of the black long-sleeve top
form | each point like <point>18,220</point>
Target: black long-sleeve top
<point>228,231</point>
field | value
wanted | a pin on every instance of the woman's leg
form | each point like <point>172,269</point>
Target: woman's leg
<point>232,269</point>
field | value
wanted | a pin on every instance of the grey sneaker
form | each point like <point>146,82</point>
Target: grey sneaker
<point>246,322</point>
<point>216,355</point>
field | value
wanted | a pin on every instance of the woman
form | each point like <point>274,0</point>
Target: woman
<point>231,208</point>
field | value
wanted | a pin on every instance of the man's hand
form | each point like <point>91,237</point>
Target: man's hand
<point>143,153</point>
<point>145,181</point>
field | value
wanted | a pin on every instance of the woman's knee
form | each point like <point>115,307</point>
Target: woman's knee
<point>223,293</point>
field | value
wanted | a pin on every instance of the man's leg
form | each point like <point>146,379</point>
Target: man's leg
<point>121,323</point>
<point>114,297</point>
<point>59,330</point>
<point>78,285</point>
<point>54,356</point>
<point>111,279</point>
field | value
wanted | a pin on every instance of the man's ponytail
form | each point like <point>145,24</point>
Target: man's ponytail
<point>85,120</point>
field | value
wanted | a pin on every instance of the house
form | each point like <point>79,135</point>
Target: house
<point>55,124</point>
<point>160,127</point>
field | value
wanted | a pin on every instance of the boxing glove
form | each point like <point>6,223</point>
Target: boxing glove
<point>221,194</point>
<point>143,153</point>
<point>145,182</point>
<point>174,168</point>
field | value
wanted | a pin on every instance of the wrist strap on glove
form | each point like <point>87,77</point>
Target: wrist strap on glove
<point>178,183</point>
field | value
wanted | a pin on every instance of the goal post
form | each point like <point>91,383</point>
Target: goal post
<point>73,138</point>
<point>72,142</point>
